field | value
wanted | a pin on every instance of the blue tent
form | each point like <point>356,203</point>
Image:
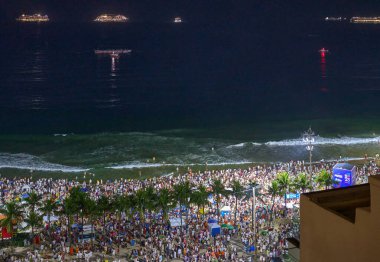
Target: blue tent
<point>212,221</point>
<point>214,229</point>
<point>250,248</point>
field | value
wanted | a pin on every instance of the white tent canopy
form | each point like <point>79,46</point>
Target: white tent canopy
<point>176,222</point>
<point>26,188</point>
<point>52,218</point>
<point>226,209</point>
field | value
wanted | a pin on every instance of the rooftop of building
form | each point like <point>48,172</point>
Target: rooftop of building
<point>344,201</point>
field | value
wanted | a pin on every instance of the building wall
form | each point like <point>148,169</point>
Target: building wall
<point>326,236</point>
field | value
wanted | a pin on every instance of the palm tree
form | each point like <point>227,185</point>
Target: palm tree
<point>284,184</point>
<point>68,209</point>
<point>33,200</point>
<point>143,198</point>
<point>182,193</point>
<point>141,202</point>
<point>92,211</point>
<point>12,216</point>
<point>151,198</point>
<point>199,198</point>
<point>33,220</point>
<point>324,179</point>
<point>164,202</point>
<point>302,183</point>
<point>130,203</point>
<point>274,191</point>
<point>218,190</point>
<point>237,191</point>
<point>79,200</point>
<point>119,204</point>
<point>48,208</point>
<point>104,205</point>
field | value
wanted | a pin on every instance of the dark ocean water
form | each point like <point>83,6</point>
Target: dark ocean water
<point>187,94</point>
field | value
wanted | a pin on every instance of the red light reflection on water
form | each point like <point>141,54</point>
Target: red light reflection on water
<point>324,88</point>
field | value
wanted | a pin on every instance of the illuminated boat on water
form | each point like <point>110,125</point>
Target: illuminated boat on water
<point>335,19</point>
<point>33,18</point>
<point>323,51</point>
<point>177,19</point>
<point>112,52</point>
<point>365,20</point>
<point>106,18</point>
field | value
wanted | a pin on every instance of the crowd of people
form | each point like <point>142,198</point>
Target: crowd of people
<point>123,237</point>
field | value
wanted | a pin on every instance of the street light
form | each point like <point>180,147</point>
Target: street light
<point>254,187</point>
<point>308,139</point>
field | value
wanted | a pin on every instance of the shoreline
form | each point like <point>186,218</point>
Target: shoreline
<point>150,172</point>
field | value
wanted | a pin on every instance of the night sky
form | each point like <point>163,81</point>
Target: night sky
<point>231,11</point>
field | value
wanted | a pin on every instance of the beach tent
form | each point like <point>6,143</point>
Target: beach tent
<point>214,229</point>
<point>250,248</point>
<point>212,221</point>
<point>226,210</point>
<point>176,222</point>
<point>52,218</point>
<point>289,205</point>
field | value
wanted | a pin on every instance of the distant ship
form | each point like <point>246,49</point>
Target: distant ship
<point>111,18</point>
<point>365,20</point>
<point>112,52</point>
<point>323,50</point>
<point>33,18</point>
<point>335,19</point>
<point>178,20</point>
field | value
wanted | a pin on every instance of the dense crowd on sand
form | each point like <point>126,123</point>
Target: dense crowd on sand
<point>125,239</point>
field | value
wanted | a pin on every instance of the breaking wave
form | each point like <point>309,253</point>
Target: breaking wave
<point>326,141</point>
<point>154,165</point>
<point>30,162</point>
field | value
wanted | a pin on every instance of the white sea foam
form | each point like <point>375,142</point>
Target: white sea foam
<point>60,134</point>
<point>244,144</point>
<point>137,165</point>
<point>345,159</point>
<point>230,163</point>
<point>237,145</point>
<point>318,141</point>
<point>326,141</point>
<point>30,162</point>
